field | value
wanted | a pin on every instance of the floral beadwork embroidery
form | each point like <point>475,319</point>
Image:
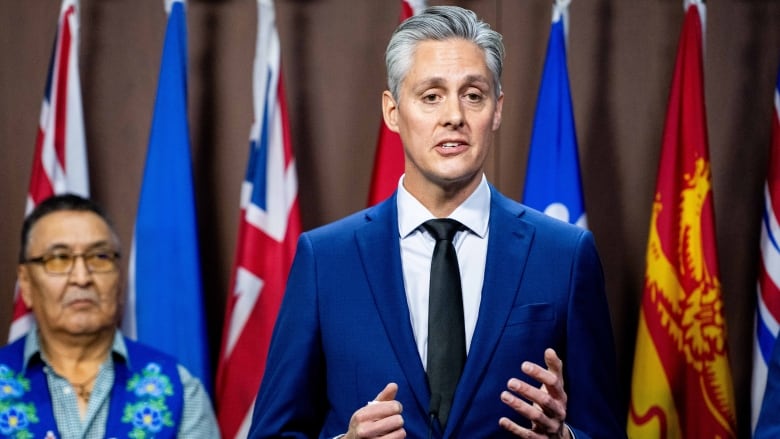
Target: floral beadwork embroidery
<point>15,416</point>
<point>149,414</point>
<point>12,386</point>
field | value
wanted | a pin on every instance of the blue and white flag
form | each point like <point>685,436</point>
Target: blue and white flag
<point>552,182</point>
<point>768,285</point>
<point>165,304</point>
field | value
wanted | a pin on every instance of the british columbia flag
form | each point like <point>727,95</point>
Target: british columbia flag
<point>60,158</point>
<point>768,306</point>
<point>267,236</point>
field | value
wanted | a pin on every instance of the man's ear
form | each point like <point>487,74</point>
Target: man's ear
<point>390,111</point>
<point>23,282</point>
<point>497,113</point>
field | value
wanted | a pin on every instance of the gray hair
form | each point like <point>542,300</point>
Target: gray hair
<point>441,23</point>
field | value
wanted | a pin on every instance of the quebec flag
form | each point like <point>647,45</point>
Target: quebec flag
<point>552,183</point>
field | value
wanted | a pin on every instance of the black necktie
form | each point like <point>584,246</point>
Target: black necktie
<point>446,334</point>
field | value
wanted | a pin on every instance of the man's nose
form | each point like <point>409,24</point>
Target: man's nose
<point>80,273</point>
<point>452,113</point>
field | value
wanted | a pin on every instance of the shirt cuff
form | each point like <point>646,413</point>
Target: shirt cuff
<point>570,431</point>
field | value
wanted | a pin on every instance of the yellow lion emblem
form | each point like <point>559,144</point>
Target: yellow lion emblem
<point>686,295</point>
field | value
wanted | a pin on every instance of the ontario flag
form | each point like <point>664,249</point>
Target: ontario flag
<point>552,181</point>
<point>768,303</point>
<point>681,384</point>
<point>267,236</point>
<point>60,157</point>
<point>164,268</point>
<point>389,157</point>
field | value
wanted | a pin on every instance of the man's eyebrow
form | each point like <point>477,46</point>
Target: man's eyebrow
<point>91,246</point>
<point>481,79</point>
<point>427,83</point>
<point>100,245</point>
<point>437,81</point>
<point>57,246</point>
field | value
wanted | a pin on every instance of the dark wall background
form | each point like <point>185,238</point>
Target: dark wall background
<point>620,61</point>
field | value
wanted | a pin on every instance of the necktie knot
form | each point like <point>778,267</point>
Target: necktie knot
<point>443,229</point>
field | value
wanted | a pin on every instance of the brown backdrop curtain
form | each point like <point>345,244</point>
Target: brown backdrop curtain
<point>621,55</point>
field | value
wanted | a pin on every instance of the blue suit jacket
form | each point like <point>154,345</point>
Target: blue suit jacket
<point>343,331</point>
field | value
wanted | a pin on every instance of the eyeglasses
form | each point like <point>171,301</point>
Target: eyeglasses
<point>102,261</point>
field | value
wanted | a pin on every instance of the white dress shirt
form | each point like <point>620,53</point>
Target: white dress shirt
<point>417,250</point>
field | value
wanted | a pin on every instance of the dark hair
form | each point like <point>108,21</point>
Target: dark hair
<point>60,203</point>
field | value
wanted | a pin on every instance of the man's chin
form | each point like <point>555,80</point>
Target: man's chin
<point>456,181</point>
<point>87,324</point>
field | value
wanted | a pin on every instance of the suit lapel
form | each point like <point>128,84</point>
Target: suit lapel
<point>509,242</point>
<point>385,278</point>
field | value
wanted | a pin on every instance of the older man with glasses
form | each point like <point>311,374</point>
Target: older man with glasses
<point>75,375</point>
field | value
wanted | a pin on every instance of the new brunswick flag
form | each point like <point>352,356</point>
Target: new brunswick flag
<point>681,384</point>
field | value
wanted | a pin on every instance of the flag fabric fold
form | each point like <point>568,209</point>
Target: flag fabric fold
<point>768,285</point>
<point>164,306</point>
<point>681,384</point>
<point>552,181</point>
<point>267,236</point>
<point>60,157</point>
<point>389,157</point>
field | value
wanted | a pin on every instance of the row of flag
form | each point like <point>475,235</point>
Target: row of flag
<point>692,397</point>
<point>164,277</point>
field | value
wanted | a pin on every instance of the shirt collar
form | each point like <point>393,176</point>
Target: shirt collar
<point>473,213</point>
<point>32,346</point>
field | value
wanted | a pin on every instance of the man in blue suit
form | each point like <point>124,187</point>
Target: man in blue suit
<point>349,355</point>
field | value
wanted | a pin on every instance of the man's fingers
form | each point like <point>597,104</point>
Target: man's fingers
<point>388,393</point>
<point>380,417</point>
<point>539,397</point>
<point>544,406</point>
<point>553,362</point>
<point>539,373</point>
<point>541,422</point>
<point>555,365</point>
<point>552,377</point>
<point>385,403</point>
